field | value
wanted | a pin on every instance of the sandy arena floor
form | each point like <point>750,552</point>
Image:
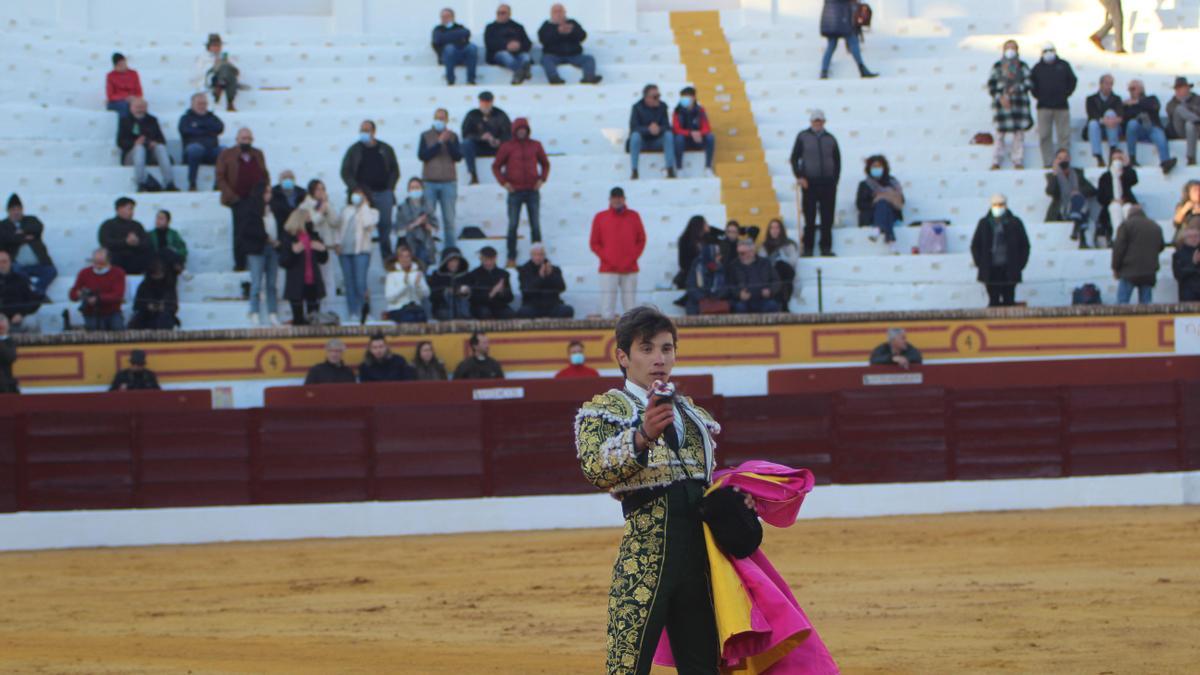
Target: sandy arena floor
<point>1068,591</point>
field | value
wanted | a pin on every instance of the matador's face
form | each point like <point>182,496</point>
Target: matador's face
<point>649,359</point>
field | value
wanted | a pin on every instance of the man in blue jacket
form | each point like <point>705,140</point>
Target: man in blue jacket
<point>200,130</point>
<point>452,43</point>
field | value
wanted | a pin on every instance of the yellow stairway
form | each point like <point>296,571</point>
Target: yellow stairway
<point>740,162</point>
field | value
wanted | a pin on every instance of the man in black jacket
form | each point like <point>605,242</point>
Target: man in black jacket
<point>483,130</point>
<point>381,364</point>
<point>817,164</point>
<point>479,365</point>
<point>1000,250</point>
<point>332,370</point>
<point>752,281</point>
<point>1053,83</point>
<point>897,350</point>
<point>372,164</point>
<point>1142,123</point>
<point>491,290</point>
<point>285,197</point>
<point>200,129</point>
<point>139,135</point>
<point>452,44</point>
<point>650,129</point>
<point>137,376</point>
<point>126,240</point>
<point>508,45</point>
<point>541,287</point>
<point>17,300</point>
<point>562,42</point>
<point>1105,113</point>
<point>21,236</point>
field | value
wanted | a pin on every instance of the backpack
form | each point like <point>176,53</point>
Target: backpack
<point>1086,294</point>
<point>932,238</point>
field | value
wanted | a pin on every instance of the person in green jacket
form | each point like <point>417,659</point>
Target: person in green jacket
<point>168,244</point>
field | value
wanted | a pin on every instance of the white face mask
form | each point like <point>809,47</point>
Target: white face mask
<point>1117,166</point>
<point>1010,54</point>
<point>1049,57</point>
<point>998,211</point>
<point>356,198</point>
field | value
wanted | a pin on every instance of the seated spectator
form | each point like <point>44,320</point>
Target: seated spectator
<point>562,43</point>
<point>1069,193</point>
<point>483,130</point>
<point>217,71</point>
<point>101,289</point>
<point>753,283</point>
<point>121,84</point>
<point>1114,192</point>
<point>491,291</point>
<point>332,370</point>
<point>1142,123</point>
<point>359,221</point>
<point>8,356</point>
<point>168,245</point>
<point>448,288</point>
<point>618,239</point>
<point>508,45</point>
<point>479,365</point>
<point>707,289</point>
<point>301,253</point>
<point>1185,263</point>
<point>417,223</point>
<point>649,129</point>
<point>1135,257</point>
<point>426,365</point>
<point>880,201</point>
<point>260,241</point>
<point>156,303</point>
<point>1183,116</point>
<point>439,151</point>
<point>452,43</point>
<point>1000,251</point>
<point>137,377</point>
<point>522,168</point>
<point>692,131</point>
<point>896,350</point>
<point>692,241</point>
<point>21,236</point>
<point>126,240</point>
<point>200,130</point>
<point>326,223</point>
<point>380,364</point>
<point>542,286</point>
<point>784,253</point>
<point>576,369</point>
<point>1187,211</point>
<point>406,291</point>
<point>18,303</point>
<point>140,138</point>
<point>1105,115</point>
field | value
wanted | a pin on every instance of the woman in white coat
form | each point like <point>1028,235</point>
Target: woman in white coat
<point>359,220</point>
<point>406,290</point>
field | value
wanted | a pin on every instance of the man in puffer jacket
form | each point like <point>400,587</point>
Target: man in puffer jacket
<point>522,168</point>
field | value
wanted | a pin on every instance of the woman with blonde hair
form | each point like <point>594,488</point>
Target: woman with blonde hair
<point>359,220</point>
<point>327,224</point>
<point>301,253</point>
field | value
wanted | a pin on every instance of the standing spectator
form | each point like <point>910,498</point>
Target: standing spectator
<point>439,151</point>
<point>1053,81</point>
<point>448,287</point>
<point>692,131</point>
<point>491,289</point>
<point>1183,116</point>
<point>417,223</point>
<point>507,45</point>
<point>522,168</point>
<point>140,138</point>
<point>1135,257</point>
<point>1114,22</point>
<point>562,43</point>
<point>371,164</point>
<point>1069,193</point>
<point>452,43</point>
<point>333,370</point>
<point>483,130</point>
<point>359,219</point>
<point>618,240</point>
<point>17,300</point>
<point>880,201</point>
<point>706,285</point>
<point>101,289</point>
<point>650,129</point>
<point>260,241</point>
<point>426,365</point>
<point>696,235</point>
<point>897,350</point>
<point>542,286</point>
<point>817,164</point>
<point>1187,211</point>
<point>1142,123</point>
<point>380,364</point>
<point>837,22</point>
<point>200,130</point>
<point>285,197</point>
<point>240,171</point>
<point>479,365</point>
<point>406,290</point>
<point>125,239</point>
<point>784,254</point>
<point>216,71</point>
<point>8,356</point>
<point>1185,264</point>
<point>1000,250</point>
<point>1105,115</point>
<point>326,224</point>
<point>753,283</point>
<point>1009,86</point>
<point>576,369</point>
<point>156,304</point>
<point>301,252</point>
<point>168,245</point>
<point>121,84</point>
<point>1114,192</point>
<point>137,377</point>
<point>21,236</point>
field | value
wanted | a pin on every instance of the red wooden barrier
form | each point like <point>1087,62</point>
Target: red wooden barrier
<point>125,401</point>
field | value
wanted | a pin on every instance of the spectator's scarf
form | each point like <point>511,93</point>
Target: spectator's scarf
<point>896,198</point>
<point>1010,72</point>
<point>306,242</point>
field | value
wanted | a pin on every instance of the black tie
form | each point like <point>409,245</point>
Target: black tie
<point>671,435</point>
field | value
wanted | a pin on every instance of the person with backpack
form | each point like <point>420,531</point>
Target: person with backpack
<point>838,22</point>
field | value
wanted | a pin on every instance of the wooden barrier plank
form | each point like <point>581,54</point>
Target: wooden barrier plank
<point>1007,433</point>
<point>194,458</point>
<point>444,461</point>
<point>793,430</point>
<point>116,402</point>
<point>1124,429</point>
<point>890,436</point>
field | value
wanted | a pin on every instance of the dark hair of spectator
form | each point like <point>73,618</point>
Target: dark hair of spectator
<point>117,57</point>
<point>772,244</point>
<point>123,201</point>
<point>376,337</point>
<point>166,213</point>
<point>641,324</point>
<point>573,344</point>
<point>687,91</point>
<point>474,341</point>
<point>648,88</point>
<point>312,185</point>
<point>694,233</point>
<point>417,180</point>
<point>486,96</point>
<point>372,123</point>
<point>880,160</point>
<point>432,352</point>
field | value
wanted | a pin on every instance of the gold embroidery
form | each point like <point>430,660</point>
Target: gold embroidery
<point>636,575</point>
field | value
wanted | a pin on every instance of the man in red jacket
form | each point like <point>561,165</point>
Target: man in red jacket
<point>618,239</point>
<point>522,168</point>
<point>101,288</point>
<point>121,85</point>
<point>576,369</point>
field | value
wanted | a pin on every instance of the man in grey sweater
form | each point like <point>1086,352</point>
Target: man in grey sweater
<point>439,152</point>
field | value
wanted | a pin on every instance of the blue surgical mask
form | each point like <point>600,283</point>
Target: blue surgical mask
<point>364,137</point>
<point>287,183</point>
<point>416,195</point>
<point>877,172</point>
<point>685,101</point>
<point>998,211</point>
<point>356,198</point>
<point>438,125</point>
<point>577,359</point>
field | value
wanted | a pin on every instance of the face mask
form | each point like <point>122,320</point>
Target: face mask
<point>287,183</point>
<point>448,24</point>
<point>416,195</point>
<point>244,146</point>
<point>1010,54</point>
<point>998,211</point>
<point>1117,166</point>
<point>619,209</point>
<point>1049,57</point>
<point>685,101</point>
<point>577,359</point>
<point>877,172</point>
<point>356,198</point>
<point>364,137</point>
<point>438,125</point>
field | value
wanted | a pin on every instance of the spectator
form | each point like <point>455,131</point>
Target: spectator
<point>837,22</point>
<point>260,241</point>
<point>406,291</point>
<point>440,151</point>
<point>137,377</point>
<point>483,130</point>
<point>521,167</point>
<point>1114,22</point>
<point>417,223</point>
<point>880,201</point>
<point>576,369</point>
<point>156,303</point>
<point>729,240</point>
<point>1053,81</point>
<point>101,289</point>
<point>217,71</point>
<point>301,252</point>
<point>426,365</point>
<point>1105,115</point>
<point>168,245</point>
<point>753,282</point>
<point>21,236</point>
<point>332,370</point>
<point>18,303</point>
<point>817,164</point>
<point>448,287</point>
<point>240,170</point>
<point>784,254</point>
<point>126,240</point>
<point>359,220</point>
<point>380,364</point>
<point>200,130</point>
<point>1135,257</point>
<point>707,290</point>
<point>1142,123</point>
<point>371,164</point>
<point>8,356</point>
<point>479,365</point>
<point>1069,192</point>
<point>1009,86</point>
<point>285,197</point>
<point>507,45</point>
<point>452,44</point>
<point>897,350</point>
<point>1114,192</point>
<point>650,129</point>
<point>542,286</point>
<point>1000,250</point>
<point>1185,263</point>
<point>491,290</point>
<point>562,43</point>
<point>692,130</point>
<point>692,241</point>
<point>327,225</point>
<point>139,138</point>
<point>1187,211</point>
<point>121,84</point>
<point>618,240</point>
<point>1183,116</point>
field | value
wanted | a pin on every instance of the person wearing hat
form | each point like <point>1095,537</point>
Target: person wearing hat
<point>491,288</point>
<point>1053,82</point>
<point>1183,116</point>
<point>217,71</point>
<point>483,130</point>
<point>21,236</point>
<point>522,168</point>
<point>1114,22</point>
<point>121,84</point>
<point>1000,251</point>
<point>1143,123</point>
<point>817,164</point>
<point>448,290</point>
<point>618,239</point>
<point>136,376</point>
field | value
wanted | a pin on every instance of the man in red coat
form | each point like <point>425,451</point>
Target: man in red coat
<point>522,168</point>
<point>576,369</point>
<point>101,289</point>
<point>121,85</point>
<point>618,239</point>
